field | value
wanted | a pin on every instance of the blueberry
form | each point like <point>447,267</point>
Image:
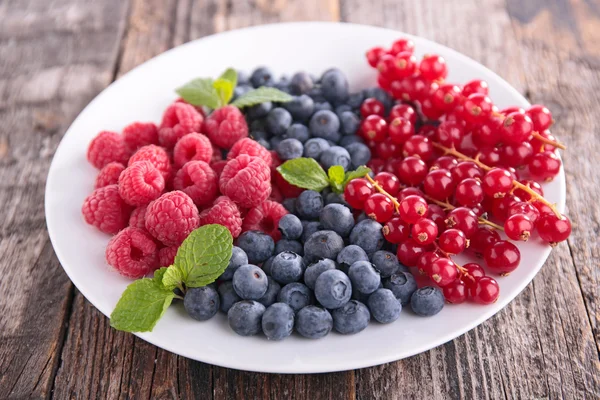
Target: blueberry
<point>337,218</point>
<point>298,132</point>
<point>381,95</point>
<point>361,217</point>
<point>362,297</point>
<point>334,86</point>
<point>301,83</point>
<point>238,257</point>
<point>283,84</point>
<point>349,122</point>
<point>289,245</point>
<point>242,77</point>
<point>290,205</point>
<point>402,284</point>
<point>227,295</point>
<point>287,267</point>
<point>364,277</point>
<point>250,282</point>
<point>323,244</point>
<point>427,301</point>
<point>309,204</point>
<point>245,317</point>
<point>386,263</point>
<point>321,105</point>
<point>262,76</point>
<point>300,107</point>
<point>258,125</point>
<point>290,227</point>
<point>367,234</point>
<point>336,198</point>
<point>313,322</point>
<point>339,110</point>
<point>351,318</point>
<point>264,143</point>
<point>355,100</point>
<point>348,140</point>
<point>309,227</point>
<point>360,154</point>
<point>278,121</point>
<point>258,246</point>
<point>288,149</point>
<point>335,155</point>
<point>314,147</point>
<point>240,90</point>
<point>296,295</point>
<point>278,321</point>
<point>201,303</point>
<point>259,110</point>
<point>257,135</point>
<point>384,306</point>
<point>266,266</point>
<point>333,289</point>
<point>324,124</point>
<point>274,141</point>
<point>349,255</point>
<point>313,271</point>
<point>270,295</point>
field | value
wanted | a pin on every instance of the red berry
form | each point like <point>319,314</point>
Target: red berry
<point>502,257</point>
<point>193,146</point>
<point>490,156</point>
<point>265,218</point>
<point>445,162</point>
<point>464,219</point>
<point>450,133</point>
<point>373,55</point>
<point>409,191</point>
<point>473,273</point>
<point>412,171</point>
<point>533,185</point>
<point>374,128</point>
<point>525,208</point>
<point>446,97</point>
<point>246,180</point>
<point>516,128</point>
<point>385,66</point>
<point>437,215</point>
<point>487,133</point>
<point>466,169</point>
<point>475,86</point>
<point>107,147</point>
<point>424,231</point>
<point>402,45</point>
<point>418,146</point>
<point>178,120</point>
<point>477,108</point>
<point>404,65</point>
<point>132,252</point>
<point>139,134</point>
<point>517,155</point>
<point>553,229</point>
<point>485,291</point>
<point>497,182</point>
<point>540,117</point>
<point>387,149</point>
<point>412,209</point>
<point>439,184</point>
<point>357,191</point>
<point>482,239</point>
<point>468,192</point>
<point>433,67</point>
<point>544,166</point>
<point>224,212</point>
<point>379,207</point>
<point>539,146</point>
<point>455,292</point>
<point>400,130</point>
<point>389,182</point>
<point>501,206</point>
<point>478,209</point>
<point>403,111</point>
<point>225,126</point>
<point>106,210</point>
<point>109,175</point>
<point>198,180</point>
<point>166,256</point>
<point>452,241</point>
<point>372,106</point>
<point>251,148</point>
<point>157,156</point>
<point>137,219</point>
<point>140,183</point>
<point>409,251</point>
<point>443,271</point>
<point>172,217</point>
<point>518,227</point>
<point>396,230</point>
<point>425,261</point>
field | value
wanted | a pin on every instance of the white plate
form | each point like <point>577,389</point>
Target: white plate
<point>143,94</point>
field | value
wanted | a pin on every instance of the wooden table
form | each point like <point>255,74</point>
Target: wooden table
<point>55,56</point>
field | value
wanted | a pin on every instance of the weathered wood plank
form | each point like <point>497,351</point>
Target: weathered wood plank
<point>55,57</point>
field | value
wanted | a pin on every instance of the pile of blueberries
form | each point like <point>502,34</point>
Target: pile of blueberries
<point>328,272</point>
<point>320,122</point>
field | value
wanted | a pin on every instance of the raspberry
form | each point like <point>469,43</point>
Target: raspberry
<point>223,212</point>
<point>109,174</point>
<point>197,180</point>
<point>218,166</point>
<point>107,147</point>
<point>197,108</point>
<point>251,148</point>
<point>265,218</point>
<point>132,252</point>
<point>225,126</point>
<point>106,210</point>
<point>246,180</point>
<point>194,146</point>
<point>140,134</point>
<point>172,217</point>
<point>217,155</point>
<point>287,189</point>
<point>157,156</point>
<point>166,256</point>
<point>140,183</point>
<point>178,120</point>
<point>137,217</point>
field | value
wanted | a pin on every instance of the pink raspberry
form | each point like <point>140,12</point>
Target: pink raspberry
<point>225,126</point>
<point>246,180</point>
<point>197,180</point>
<point>194,146</point>
<point>157,156</point>
<point>217,155</point>
<point>251,148</point>
<point>197,108</point>
<point>172,217</point>
<point>137,217</point>
<point>132,252</point>
<point>218,166</point>
<point>109,174</point>
<point>107,147</point>
<point>141,183</point>
<point>223,212</point>
<point>265,218</point>
<point>106,210</point>
<point>178,120</point>
<point>166,255</point>
<point>140,134</point>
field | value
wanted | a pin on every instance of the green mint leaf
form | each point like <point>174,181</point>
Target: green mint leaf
<point>141,305</point>
<point>158,275</point>
<point>336,178</point>
<point>224,89</point>
<point>358,173</point>
<point>230,75</point>
<point>172,277</point>
<point>200,92</point>
<point>261,95</point>
<point>204,255</point>
<point>305,173</point>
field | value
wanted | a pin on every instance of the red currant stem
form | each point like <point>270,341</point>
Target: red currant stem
<point>382,191</point>
<point>548,141</point>
<point>516,184</point>
<point>449,206</point>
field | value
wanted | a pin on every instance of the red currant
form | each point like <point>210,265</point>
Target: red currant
<point>412,209</point>
<point>540,117</point>
<point>526,208</point>
<point>490,156</point>
<point>468,192</point>
<point>517,155</point>
<point>387,149</point>
<point>497,182</point>
<point>450,133</point>
<point>389,182</point>
<point>392,165</point>
<point>539,146</point>
<point>429,110</point>
<point>455,292</point>
<point>443,271</point>
<point>376,165</point>
<point>425,261</point>
<point>483,238</point>
<point>533,185</point>
<point>433,67</point>
<point>385,66</point>
<point>466,169</point>
<point>516,128</point>
<point>396,230</point>
<point>464,219</point>
<point>418,146</point>
<point>501,206</point>
<point>383,82</point>
<point>478,209</point>
<point>544,166</point>
<point>371,106</point>
<point>357,191</point>
<point>485,291</point>
<point>374,128</point>
<point>437,215</point>
<point>405,65</point>
<point>379,207</point>
<point>518,227</point>
<point>452,241</point>
<point>409,251</point>
<point>553,229</point>
<point>373,55</point>
<point>477,108</point>
<point>445,162</point>
<point>412,171</point>
<point>475,86</point>
<point>487,134</point>
<point>474,271</point>
<point>446,97</point>
<point>424,231</point>
<point>427,130</point>
<point>400,130</point>
<point>510,110</point>
<point>502,257</point>
<point>403,111</point>
<point>402,45</point>
<point>409,191</point>
<point>439,184</point>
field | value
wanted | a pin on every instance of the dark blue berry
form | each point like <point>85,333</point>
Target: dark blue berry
<point>259,110</point>
<point>287,267</point>
<point>313,271</point>
<point>309,204</point>
<point>278,321</point>
<point>301,83</point>
<point>323,244</point>
<point>339,110</point>
<point>349,123</point>
<point>298,132</point>
<point>336,198</point>
<point>264,143</point>
<point>238,258</point>
<point>386,263</point>
<point>266,266</point>
<point>283,84</point>
<point>355,100</point>
<point>290,227</point>
<point>321,104</point>
<point>309,227</point>
<point>262,76</point>
<point>290,205</point>
<point>250,282</point>
<point>384,306</point>
<point>427,301</point>
<point>245,317</point>
<point>258,246</point>
<point>313,322</point>
<point>288,149</point>
<point>347,140</point>
<point>257,135</point>
<point>278,120</point>
<point>364,277</point>
<point>367,234</point>
<point>402,284</point>
<point>314,147</point>
<point>324,124</point>
<point>333,289</point>
<point>201,303</point>
<point>300,107</point>
<point>274,141</point>
<point>360,154</point>
<point>337,218</point>
<point>349,255</point>
<point>351,318</point>
<point>335,155</point>
<point>227,295</point>
<point>240,90</point>
<point>270,296</point>
<point>334,86</point>
<point>296,295</point>
<point>258,125</point>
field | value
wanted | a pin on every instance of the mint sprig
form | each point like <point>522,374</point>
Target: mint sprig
<point>200,260</point>
<point>218,93</point>
<point>306,173</point>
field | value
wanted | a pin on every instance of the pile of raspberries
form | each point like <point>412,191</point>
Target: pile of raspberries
<point>158,183</point>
